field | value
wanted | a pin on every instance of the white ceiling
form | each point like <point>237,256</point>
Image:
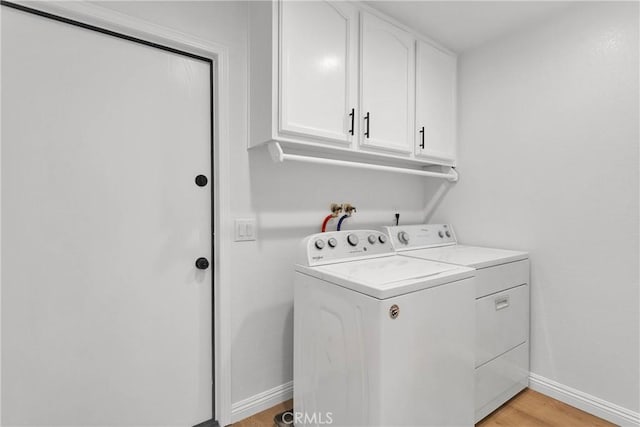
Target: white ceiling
<point>463,25</point>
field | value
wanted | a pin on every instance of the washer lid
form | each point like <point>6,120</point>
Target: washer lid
<point>471,256</point>
<point>388,276</point>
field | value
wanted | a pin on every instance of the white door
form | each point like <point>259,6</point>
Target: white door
<point>387,67</point>
<point>435,103</point>
<point>318,70</point>
<point>105,318</point>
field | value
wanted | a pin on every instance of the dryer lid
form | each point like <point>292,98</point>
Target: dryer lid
<point>471,256</point>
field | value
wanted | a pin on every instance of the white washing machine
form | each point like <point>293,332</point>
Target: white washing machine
<point>381,339</point>
<point>502,307</point>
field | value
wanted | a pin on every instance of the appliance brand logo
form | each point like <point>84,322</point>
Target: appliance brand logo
<point>394,311</point>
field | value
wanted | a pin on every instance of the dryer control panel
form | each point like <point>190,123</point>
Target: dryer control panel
<point>419,236</point>
<point>339,246</point>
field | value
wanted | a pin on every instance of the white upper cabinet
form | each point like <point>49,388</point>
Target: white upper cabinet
<point>435,103</point>
<point>387,85</point>
<point>336,79</point>
<point>318,69</point>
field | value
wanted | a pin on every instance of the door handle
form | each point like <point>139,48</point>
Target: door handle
<point>201,180</point>
<point>353,117</point>
<point>367,118</point>
<point>422,133</point>
<point>202,263</point>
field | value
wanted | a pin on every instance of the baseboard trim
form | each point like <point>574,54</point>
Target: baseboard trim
<point>588,403</point>
<point>261,401</point>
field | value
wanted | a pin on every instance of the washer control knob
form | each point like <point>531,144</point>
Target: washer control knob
<point>371,239</point>
<point>352,239</point>
<point>332,242</point>
<point>382,239</point>
<point>441,234</point>
<point>403,236</point>
<point>319,244</point>
<point>447,233</point>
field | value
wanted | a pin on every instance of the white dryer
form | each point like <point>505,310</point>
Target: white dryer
<point>502,307</point>
<point>380,339</point>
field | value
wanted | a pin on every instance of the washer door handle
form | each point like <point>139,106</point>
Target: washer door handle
<point>502,302</point>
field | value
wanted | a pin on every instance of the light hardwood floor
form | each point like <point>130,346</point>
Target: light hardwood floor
<point>527,409</point>
<point>265,418</point>
<point>530,408</point>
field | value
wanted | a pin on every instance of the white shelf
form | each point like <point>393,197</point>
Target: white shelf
<point>278,155</point>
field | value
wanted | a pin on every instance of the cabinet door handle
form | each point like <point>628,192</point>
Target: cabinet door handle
<point>367,119</point>
<point>422,133</point>
<point>353,117</point>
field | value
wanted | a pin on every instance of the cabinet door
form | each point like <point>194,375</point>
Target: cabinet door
<point>435,103</point>
<point>387,85</point>
<point>318,59</point>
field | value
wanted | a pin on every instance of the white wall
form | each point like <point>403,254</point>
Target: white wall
<point>289,202</point>
<point>549,164</point>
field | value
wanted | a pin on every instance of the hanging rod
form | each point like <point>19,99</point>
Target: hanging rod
<point>280,156</point>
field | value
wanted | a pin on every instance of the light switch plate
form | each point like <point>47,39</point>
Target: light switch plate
<point>245,229</point>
